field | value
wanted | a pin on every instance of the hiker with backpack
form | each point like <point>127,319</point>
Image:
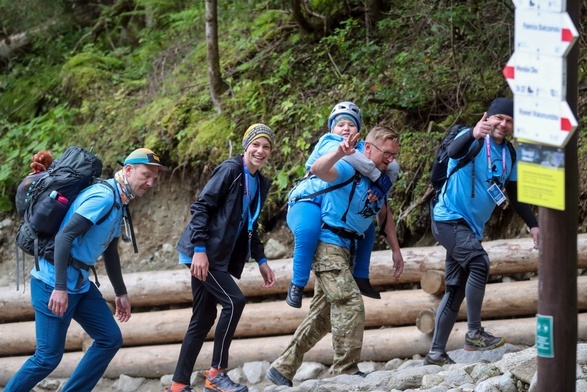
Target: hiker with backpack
<point>60,288</point>
<point>462,207</point>
<point>219,239</point>
<point>303,215</point>
<point>337,305</point>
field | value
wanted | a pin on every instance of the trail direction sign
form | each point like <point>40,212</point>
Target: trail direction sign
<point>541,5</point>
<point>544,33</point>
<point>542,77</point>
<point>543,121</point>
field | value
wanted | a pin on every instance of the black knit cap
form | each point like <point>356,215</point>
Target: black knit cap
<point>501,106</point>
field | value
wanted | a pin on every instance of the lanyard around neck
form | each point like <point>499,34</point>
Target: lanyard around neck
<point>488,153</point>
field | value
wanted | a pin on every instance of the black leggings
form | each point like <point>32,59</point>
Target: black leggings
<point>219,288</point>
<point>467,270</point>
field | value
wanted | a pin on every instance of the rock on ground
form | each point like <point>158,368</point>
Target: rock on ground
<point>507,369</point>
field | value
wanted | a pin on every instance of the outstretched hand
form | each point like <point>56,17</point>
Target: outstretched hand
<point>482,128</point>
<point>347,147</point>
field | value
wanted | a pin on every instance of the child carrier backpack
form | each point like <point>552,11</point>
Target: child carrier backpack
<point>439,173</point>
<point>47,199</point>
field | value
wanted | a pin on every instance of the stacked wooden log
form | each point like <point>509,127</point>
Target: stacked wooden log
<point>398,325</point>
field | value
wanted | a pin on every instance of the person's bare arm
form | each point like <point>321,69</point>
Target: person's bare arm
<point>386,217</point>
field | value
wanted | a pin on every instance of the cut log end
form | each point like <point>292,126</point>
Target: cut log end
<point>425,321</point>
<point>432,282</point>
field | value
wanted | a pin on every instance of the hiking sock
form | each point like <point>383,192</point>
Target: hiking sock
<point>177,386</point>
<point>212,373</point>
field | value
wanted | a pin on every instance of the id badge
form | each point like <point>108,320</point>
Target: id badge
<point>496,194</point>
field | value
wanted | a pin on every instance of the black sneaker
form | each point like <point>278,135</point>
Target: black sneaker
<point>439,359</point>
<point>294,296</point>
<point>222,383</point>
<point>277,378</point>
<point>482,341</point>
<point>366,289</point>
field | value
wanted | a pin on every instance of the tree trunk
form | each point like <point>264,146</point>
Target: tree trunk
<point>374,11</point>
<point>11,44</point>
<point>296,8</point>
<point>217,85</point>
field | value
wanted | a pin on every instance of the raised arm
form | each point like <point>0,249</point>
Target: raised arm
<point>363,165</point>
<point>324,168</point>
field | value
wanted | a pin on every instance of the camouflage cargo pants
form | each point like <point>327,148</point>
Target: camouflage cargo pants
<point>337,306</point>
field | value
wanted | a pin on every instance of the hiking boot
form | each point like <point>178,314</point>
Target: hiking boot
<point>222,383</point>
<point>277,378</point>
<point>482,341</point>
<point>366,289</point>
<point>294,296</point>
<point>187,388</point>
<point>439,359</point>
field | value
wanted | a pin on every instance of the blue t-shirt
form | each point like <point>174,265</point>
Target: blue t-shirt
<point>360,213</point>
<point>455,201</point>
<point>312,184</point>
<point>92,203</point>
<point>249,210</point>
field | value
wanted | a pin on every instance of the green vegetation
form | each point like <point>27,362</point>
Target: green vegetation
<point>134,73</point>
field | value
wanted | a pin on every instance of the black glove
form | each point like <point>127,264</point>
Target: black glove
<point>380,187</point>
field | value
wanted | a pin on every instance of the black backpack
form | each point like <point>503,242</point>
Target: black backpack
<point>439,173</point>
<point>48,198</point>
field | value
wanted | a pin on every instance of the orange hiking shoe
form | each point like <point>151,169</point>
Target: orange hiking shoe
<point>222,383</point>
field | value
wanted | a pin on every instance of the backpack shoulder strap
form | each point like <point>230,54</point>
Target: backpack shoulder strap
<point>513,153</point>
<point>323,191</point>
<point>131,230</point>
<point>115,204</point>
<point>356,178</point>
<point>471,155</point>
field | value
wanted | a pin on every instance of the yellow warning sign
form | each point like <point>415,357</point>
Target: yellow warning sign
<point>541,175</point>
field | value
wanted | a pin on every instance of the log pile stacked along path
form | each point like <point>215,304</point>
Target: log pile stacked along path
<point>398,325</point>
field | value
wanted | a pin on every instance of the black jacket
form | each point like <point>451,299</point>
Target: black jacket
<point>216,215</point>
